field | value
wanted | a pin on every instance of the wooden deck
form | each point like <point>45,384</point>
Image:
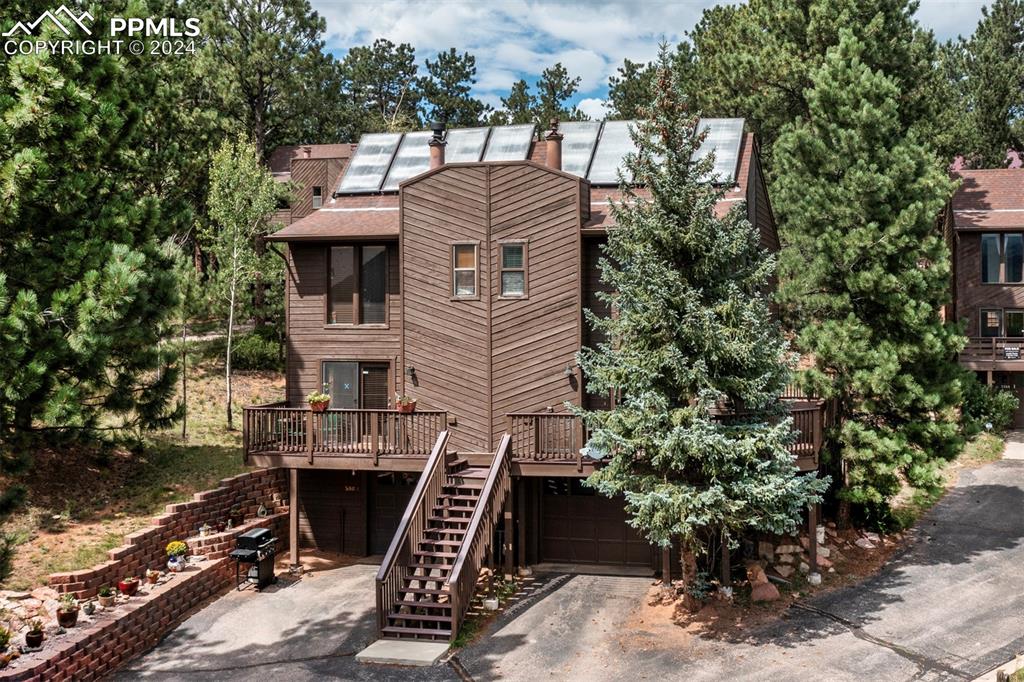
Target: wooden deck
<point>993,353</point>
<point>541,443</point>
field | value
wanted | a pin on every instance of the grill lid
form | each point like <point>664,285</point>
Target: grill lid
<point>254,539</point>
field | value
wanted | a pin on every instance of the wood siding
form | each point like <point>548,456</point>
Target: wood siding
<point>311,341</point>
<point>971,294</point>
<point>482,358</point>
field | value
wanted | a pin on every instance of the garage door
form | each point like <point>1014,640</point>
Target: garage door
<point>579,526</point>
<point>332,511</point>
<point>389,496</point>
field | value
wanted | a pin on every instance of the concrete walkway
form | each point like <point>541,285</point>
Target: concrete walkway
<point>949,607</point>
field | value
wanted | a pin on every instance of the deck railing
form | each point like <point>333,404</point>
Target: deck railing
<point>559,436</point>
<point>477,542</point>
<point>279,429</point>
<point>993,348</point>
<point>411,530</point>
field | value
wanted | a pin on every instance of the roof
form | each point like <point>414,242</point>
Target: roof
<point>346,217</point>
<point>989,199</point>
<point>1014,159</point>
<point>601,197</point>
<point>280,161</point>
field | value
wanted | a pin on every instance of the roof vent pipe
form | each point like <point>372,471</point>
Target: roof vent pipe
<point>554,150</point>
<point>437,144</point>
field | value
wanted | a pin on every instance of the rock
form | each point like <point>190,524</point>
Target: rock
<point>785,571</point>
<point>831,524</point>
<point>804,568</point>
<point>44,593</point>
<point>824,551</point>
<point>814,578</point>
<point>823,562</point>
<point>830,531</point>
<point>805,542</point>
<point>784,559</point>
<point>820,535</point>
<point>873,537</point>
<point>787,549</point>
<point>756,574</point>
<point>765,550</point>
<point>831,570</point>
<point>864,543</point>
<point>764,592</point>
<point>14,596</point>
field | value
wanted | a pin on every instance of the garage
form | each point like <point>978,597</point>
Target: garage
<point>389,495</point>
<point>579,526</point>
<point>332,511</point>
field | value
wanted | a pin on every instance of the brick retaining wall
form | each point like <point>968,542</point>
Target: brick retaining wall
<point>98,648</point>
<point>145,549</point>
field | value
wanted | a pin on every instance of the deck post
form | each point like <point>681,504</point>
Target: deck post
<point>521,507</point>
<point>293,518</point>
<point>375,437</point>
<point>812,540</point>
<point>509,531</point>
<point>666,566</point>
<point>309,435</point>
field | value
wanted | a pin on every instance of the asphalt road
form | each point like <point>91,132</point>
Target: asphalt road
<point>950,606</point>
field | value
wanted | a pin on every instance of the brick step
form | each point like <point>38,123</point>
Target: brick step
<point>413,604</point>
<point>419,617</point>
<point>398,632</point>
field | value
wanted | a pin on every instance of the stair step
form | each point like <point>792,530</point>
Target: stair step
<point>440,567</point>
<point>434,554</point>
<point>460,462</point>
<point>447,519</point>
<point>423,604</point>
<point>442,543</point>
<point>419,617</point>
<point>420,590</point>
<point>464,498</point>
<point>399,631</point>
<point>468,484</point>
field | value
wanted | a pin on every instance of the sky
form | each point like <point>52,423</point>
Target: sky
<point>514,39</point>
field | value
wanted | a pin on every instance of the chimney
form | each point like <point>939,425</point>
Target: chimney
<point>437,144</point>
<point>554,139</point>
<point>306,151</point>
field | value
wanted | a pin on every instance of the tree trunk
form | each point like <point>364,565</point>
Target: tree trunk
<point>227,354</point>
<point>688,562</point>
<point>259,293</point>
<point>184,384</point>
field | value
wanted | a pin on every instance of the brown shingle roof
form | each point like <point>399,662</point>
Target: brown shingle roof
<point>369,216</point>
<point>989,199</point>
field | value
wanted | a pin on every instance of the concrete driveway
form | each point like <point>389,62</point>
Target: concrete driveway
<point>949,607</point>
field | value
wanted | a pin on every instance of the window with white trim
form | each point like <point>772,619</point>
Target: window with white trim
<point>464,270</point>
<point>513,269</point>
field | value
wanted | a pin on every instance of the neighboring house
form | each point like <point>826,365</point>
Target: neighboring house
<point>314,171</point>
<point>985,224</point>
<point>455,271</point>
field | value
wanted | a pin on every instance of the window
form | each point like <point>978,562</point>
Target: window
<point>513,270</point>
<point>989,258</point>
<point>1015,323</point>
<point>1013,251</point>
<point>358,285</point>
<point>318,197</point>
<point>991,322</point>
<point>356,385</point>
<point>464,262</point>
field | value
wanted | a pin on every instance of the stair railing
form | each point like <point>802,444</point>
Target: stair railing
<point>477,542</point>
<point>411,530</point>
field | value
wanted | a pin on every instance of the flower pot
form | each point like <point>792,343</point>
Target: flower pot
<point>220,526</point>
<point>67,619</point>
<point>237,519</point>
<point>89,608</point>
<point>318,407</point>
<point>406,408</point>
<point>34,640</point>
<point>107,602</point>
<point>151,578</point>
<point>128,587</point>
<point>176,564</point>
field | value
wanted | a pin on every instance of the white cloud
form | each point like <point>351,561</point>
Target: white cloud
<point>520,38</point>
<point>593,107</point>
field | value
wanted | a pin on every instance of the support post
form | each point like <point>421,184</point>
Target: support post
<point>309,435</point>
<point>666,566</point>
<point>509,530</point>
<point>812,531</point>
<point>726,577</point>
<point>521,506</point>
<point>293,517</point>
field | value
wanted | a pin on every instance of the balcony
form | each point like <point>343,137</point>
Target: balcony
<point>988,353</point>
<point>278,435</point>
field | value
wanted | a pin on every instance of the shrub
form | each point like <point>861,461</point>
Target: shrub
<point>256,352</point>
<point>7,544</point>
<point>986,408</point>
<point>5,638</point>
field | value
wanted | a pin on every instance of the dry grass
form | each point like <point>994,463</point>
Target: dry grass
<point>82,502</point>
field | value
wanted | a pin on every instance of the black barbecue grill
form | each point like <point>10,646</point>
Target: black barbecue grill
<point>256,549</point>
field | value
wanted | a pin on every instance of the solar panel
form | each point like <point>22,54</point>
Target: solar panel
<point>578,141</point>
<point>509,143</point>
<point>465,145</point>
<point>724,137</point>
<point>366,170</point>
<point>612,148</point>
<point>412,158</point>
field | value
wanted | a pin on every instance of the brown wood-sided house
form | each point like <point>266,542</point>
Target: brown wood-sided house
<point>454,270</point>
<point>984,223</point>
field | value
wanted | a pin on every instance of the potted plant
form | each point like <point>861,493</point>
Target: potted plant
<point>67,612</point>
<point>235,515</point>
<point>152,575</point>
<point>107,596</point>
<point>318,401</point>
<point>128,586</point>
<point>176,551</point>
<point>89,607</point>
<point>404,404</point>
<point>34,637</point>
<point>220,526</point>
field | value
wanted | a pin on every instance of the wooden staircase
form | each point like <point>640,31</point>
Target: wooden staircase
<point>440,544</point>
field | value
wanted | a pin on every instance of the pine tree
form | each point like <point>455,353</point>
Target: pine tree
<point>555,88</point>
<point>381,81</point>
<point>446,90</point>
<point>242,198</point>
<point>629,90</point>
<point>518,107</point>
<point>691,331</point>
<point>85,290</point>
<point>866,271</point>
